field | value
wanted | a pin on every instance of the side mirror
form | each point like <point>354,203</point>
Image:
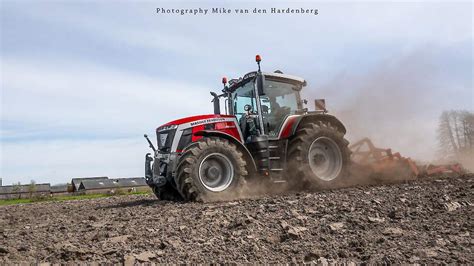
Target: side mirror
<point>217,104</point>
<point>260,84</point>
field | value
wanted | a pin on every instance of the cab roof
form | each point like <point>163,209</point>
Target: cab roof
<point>234,83</point>
<point>286,76</point>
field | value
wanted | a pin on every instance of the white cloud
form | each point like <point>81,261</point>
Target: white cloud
<point>86,97</point>
<point>337,26</point>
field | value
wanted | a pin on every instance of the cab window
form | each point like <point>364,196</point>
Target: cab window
<point>279,101</point>
<point>242,96</point>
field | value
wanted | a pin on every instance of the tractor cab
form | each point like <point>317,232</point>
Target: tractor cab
<point>279,98</point>
<point>262,101</point>
<point>264,104</point>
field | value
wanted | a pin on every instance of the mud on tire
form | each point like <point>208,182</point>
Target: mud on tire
<point>204,163</point>
<point>330,144</point>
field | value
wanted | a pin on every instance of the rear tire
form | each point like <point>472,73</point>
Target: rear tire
<point>210,169</point>
<point>319,154</point>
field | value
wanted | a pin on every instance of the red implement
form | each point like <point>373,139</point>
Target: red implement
<point>381,160</point>
<point>384,161</point>
<point>444,169</point>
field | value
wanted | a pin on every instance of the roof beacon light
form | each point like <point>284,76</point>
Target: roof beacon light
<point>224,80</point>
<point>258,59</point>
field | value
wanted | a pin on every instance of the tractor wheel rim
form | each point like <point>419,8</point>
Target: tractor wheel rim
<point>325,158</point>
<point>216,172</point>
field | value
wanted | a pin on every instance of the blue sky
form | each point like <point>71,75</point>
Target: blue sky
<point>82,81</point>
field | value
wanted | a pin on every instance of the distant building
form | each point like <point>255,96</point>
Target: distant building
<point>134,184</point>
<point>62,189</point>
<point>0,182</point>
<point>88,185</point>
<point>131,181</point>
<point>76,182</point>
<point>24,191</point>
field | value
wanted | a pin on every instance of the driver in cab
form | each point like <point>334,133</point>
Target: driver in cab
<point>248,123</point>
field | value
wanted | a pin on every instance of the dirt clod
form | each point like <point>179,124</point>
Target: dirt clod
<point>336,226</point>
<point>3,250</point>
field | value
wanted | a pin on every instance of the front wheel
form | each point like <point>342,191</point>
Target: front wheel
<point>210,169</point>
<point>319,153</point>
<point>166,192</point>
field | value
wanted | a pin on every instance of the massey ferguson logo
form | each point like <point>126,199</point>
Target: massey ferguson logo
<point>207,121</point>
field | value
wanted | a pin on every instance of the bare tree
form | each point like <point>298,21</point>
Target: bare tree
<point>32,188</point>
<point>17,189</point>
<point>468,129</point>
<point>456,134</point>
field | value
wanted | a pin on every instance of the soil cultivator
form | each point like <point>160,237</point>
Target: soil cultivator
<point>387,164</point>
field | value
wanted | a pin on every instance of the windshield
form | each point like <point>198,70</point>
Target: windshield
<point>243,96</point>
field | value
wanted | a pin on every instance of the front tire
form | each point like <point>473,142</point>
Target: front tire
<point>166,192</point>
<point>319,153</point>
<point>210,169</point>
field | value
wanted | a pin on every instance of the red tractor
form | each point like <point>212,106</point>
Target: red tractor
<point>265,133</point>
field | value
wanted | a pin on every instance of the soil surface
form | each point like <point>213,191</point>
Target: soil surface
<point>424,221</point>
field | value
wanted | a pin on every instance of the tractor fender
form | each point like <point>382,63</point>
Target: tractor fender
<point>315,117</point>
<point>247,155</point>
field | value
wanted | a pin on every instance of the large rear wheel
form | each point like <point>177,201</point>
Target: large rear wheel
<point>319,153</point>
<point>211,169</point>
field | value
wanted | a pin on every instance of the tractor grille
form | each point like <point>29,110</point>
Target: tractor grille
<point>165,140</point>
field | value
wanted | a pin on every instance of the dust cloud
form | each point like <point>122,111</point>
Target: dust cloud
<point>396,105</point>
<point>467,161</point>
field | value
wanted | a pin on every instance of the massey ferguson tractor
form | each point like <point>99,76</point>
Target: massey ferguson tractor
<point>265,133</point>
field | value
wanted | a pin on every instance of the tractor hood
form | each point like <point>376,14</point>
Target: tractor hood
<point>194,121</point>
